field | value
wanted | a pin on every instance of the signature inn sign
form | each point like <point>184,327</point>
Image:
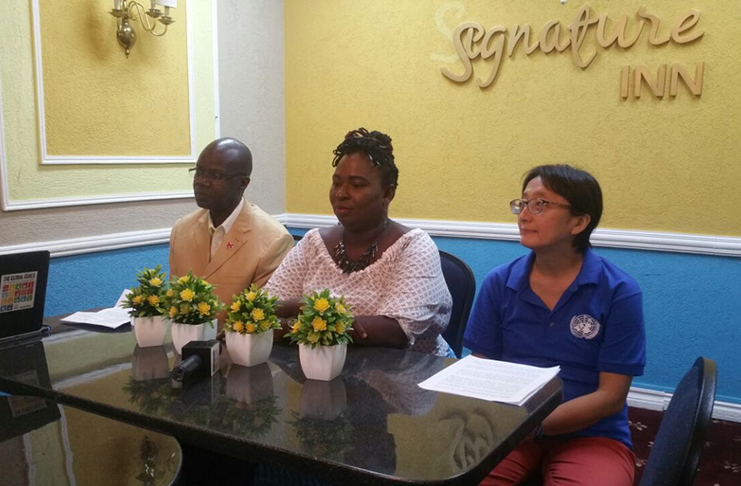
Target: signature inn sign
<point>471,41</point>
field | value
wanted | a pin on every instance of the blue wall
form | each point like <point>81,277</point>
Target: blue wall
<point>692,303</point>
<point>97,279</point>
<point>692,306</point>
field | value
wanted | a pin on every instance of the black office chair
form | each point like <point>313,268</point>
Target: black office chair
<point>462,286</point>
<point>681,436</point>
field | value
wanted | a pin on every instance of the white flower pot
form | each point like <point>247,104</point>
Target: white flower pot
<point>322,399</point>
<point>249,349</point>
<point>150,363</point>
<point>322,362</point>
<point>248,385</point>
<point>182,334</point>
<point>149,331</point>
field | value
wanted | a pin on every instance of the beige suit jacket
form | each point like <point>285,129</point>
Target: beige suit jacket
<point>250,252</point>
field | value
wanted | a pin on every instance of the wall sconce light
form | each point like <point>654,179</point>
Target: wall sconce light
<point>123,10</point>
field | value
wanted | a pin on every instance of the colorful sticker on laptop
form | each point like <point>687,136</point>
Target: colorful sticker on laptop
<point>17,291</point>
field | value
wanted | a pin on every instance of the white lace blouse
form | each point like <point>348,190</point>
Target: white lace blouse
<point>406,283</point>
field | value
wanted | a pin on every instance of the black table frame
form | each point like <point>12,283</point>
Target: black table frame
<point>549,397</point>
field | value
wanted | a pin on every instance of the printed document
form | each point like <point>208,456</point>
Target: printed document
<point>112,317</point>
<point>487,379</point>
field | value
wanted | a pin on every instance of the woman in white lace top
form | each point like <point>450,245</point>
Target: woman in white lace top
<point>391,274</point>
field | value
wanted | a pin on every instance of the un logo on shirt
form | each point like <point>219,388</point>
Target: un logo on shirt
<point>584,326</point>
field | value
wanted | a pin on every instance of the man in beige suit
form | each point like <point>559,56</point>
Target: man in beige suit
<point>229,242</point>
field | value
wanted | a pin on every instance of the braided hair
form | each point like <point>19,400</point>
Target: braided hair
<point>377,146</point>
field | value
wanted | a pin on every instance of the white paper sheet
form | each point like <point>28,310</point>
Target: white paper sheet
<point>112,317</point>
<point>496,381</point>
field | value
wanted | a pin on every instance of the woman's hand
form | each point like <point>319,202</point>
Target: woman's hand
<point>579,413</point>
<point>360,332</point>
<point>378,331</point>
<point>288,308</point>
<point>284,329</point>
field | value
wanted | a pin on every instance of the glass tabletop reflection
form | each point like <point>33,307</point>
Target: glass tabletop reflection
<point>371,421</point>
<point>44,443</point>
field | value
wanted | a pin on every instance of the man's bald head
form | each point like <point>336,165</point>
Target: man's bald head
<point>235,155</point>
<point>222,174</point>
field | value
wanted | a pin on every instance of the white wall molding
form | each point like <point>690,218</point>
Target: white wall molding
<point>4,188</point>
<point>8,205</point>
<point>637,240</point>
<point>47,159</point>
<point>89,200</point>
<point>658,400</point>
<point>92,244</point>
<point>215,57</point>
<point>638,397</point>
<point>627,239</point>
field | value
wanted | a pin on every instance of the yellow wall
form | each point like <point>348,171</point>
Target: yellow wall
<point>102,94</point>
<point>84,115</point>
<point>665,165</point>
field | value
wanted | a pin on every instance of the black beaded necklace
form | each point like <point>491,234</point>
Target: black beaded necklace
<point>347,265</point>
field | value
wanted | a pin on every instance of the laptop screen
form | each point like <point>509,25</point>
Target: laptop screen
<point>23,278</point>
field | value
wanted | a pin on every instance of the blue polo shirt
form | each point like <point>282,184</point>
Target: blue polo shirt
<point>597,325</point>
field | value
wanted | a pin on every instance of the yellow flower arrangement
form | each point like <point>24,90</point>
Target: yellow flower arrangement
<point>204,308</point>
<point>324,321</point>
<point>252,312</point>
<point>321,305</point>
<point>191,300</point>
<point>145,300</point>
<point>319,324</point>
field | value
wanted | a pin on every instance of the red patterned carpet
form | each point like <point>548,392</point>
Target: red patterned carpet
<point>720,463</point>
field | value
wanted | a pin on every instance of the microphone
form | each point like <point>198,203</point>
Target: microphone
<point>186,367</point>
<point>200,360</point>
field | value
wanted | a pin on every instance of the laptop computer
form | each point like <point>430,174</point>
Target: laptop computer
<point>23,278</point>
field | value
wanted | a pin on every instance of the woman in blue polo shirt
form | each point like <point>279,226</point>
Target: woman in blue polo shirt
<point>563,305</point>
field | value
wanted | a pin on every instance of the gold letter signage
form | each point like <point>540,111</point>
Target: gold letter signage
<point>471,41</point>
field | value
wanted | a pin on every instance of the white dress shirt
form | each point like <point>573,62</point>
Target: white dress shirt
<point>218,234</point>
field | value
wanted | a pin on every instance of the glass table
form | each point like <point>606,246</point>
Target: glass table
<point>371,425</point>
<point>44,443</point>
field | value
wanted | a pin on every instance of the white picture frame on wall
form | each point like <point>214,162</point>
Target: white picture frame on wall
<point>9,204</point>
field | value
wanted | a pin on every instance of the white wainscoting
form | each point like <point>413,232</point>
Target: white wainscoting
<point>630,239</point>
<point>638,397</point>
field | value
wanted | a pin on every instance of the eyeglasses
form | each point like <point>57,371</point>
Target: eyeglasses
<point>535,206</point>
<point>210,175</point>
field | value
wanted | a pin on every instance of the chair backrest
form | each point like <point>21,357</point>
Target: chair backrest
<point>681,436</point>
<point>462,286</point>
